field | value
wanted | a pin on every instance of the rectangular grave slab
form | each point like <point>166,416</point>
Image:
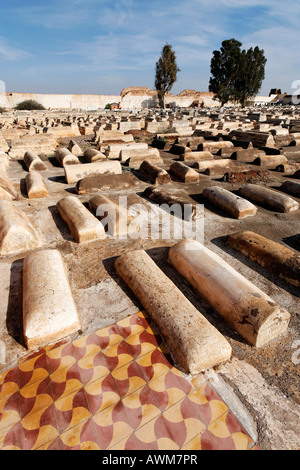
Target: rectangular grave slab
<point>49,311</point>
<point>236,206</point>
<point>36,186</point>
<point>209,164</point>
<point>269,198</point>
<point>93,155</point>
<point>196,156</point>
<point>132,154</point>
<point>74,173</point>
<point>291,187</point>
<point>33,162</point>
<point>118,221</point>
<point>7,190</point>
<point>135,161</point>
<point>247,155</point>
<point>187,208</point>
<point>153,173</point>
<point>184,173</point>
<point>95,183</point>
<point>252,313</point>
<point>81,222</point>
<point>273,256</point>
<point>17,235</point>
<point>65,157</point>
<point>194,343</point>
<point>271,162</point>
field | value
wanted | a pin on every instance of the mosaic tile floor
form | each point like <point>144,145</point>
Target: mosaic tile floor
<point>115,389</point>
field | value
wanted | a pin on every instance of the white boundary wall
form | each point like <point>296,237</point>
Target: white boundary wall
<point>10,100</point>
<point>130,101</point>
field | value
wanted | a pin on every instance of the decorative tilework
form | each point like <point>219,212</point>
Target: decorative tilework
<point>114,389</point>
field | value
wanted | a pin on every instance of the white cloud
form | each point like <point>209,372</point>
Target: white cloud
<point>124,38</point>
<point>11,53</point>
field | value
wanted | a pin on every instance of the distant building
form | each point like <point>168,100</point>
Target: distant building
<point>290,99</point>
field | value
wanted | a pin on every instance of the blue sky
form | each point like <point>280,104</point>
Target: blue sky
<point>102,46</point>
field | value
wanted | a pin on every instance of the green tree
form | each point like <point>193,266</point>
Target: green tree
<point>165,73</point>
<point>251,74</point>
<point>223,67</point>
<point>236,74</point>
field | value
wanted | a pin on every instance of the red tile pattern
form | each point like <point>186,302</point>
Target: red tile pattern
<point>113,389</point>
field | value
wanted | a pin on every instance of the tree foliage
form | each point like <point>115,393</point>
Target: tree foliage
<point>223,67</point>
<point>165,73</point>
<point>236,74</point>
<point>251,74</point>
<point>29,105</point>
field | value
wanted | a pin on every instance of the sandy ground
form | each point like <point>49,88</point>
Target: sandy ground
<point>102,297</point>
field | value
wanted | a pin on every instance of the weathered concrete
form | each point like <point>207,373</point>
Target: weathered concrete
<point>49,311</point>
<point>103,136</point>
<point>132,154</point>
<point>215,147</point>
<point>205,164</point>
<point>75,148</point>
<point>114,217</point>
<point>179,201</point>
<point>258,139</point>
<point>7,190</point>
<point>114,150</point>
<point>74,173</point>
<point>273,256</point>
<point>105,182</point>
<point>192,142</point>
<point>291,187</point>
<point>17,234</point>
<point>271,162</point>
<point>161,144</point>
<point>182,150</point>
<point>135,161</point>
<point>4,147</point>
<point>292,153</point>
<point>196,156</point>
<point>184,173</point>
<point>153,173</point>
<point>65,157</point>
<point>41,144</point>
<point>269,198</point>
<point>93,155</point>
<point>288,168</point>
<point>62,131</point>
<point>4,163</point>
<point>236,206</point>
<point>276,414</point>
<point>33,162</point>
<point>253,314</point>
<point>81,222</point>
<point>194,343</point>
<point>247,155</point>
<point>36,186</point>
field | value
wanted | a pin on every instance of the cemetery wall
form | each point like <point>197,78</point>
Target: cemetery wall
<point>131,100</point>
